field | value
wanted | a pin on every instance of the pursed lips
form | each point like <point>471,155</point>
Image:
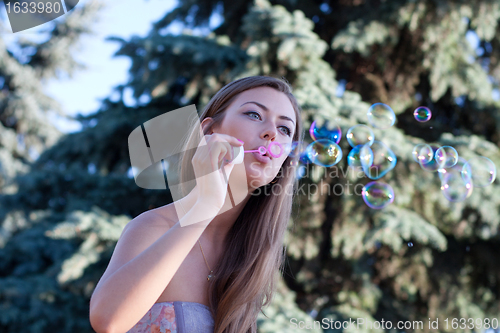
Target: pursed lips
<point>262,158</point>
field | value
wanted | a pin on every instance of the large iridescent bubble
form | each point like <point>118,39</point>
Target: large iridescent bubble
<point>482,171</point>
<point>422,153</point>
<point>459,166</point>
<point>377,195</point>
<point>422,114</point>
<point>354,159</point>
<point>324,152</point>
<point>329,130</point>
<point>381,116</point>
<point>304,158</point>
<point>446,156</point>
<point>289,147</point>
<point>432,165</point>
<point>384,159</point>
<point>360,135</point>
<point>454,186</point>
<point>295,148</point>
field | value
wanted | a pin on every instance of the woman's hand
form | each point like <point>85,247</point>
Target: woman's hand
<point>212,164</point>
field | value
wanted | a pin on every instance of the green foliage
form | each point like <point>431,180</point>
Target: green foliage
<point>280,315</point>
<point>25,130</point>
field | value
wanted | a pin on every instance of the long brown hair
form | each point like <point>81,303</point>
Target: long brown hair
<point>245,277</point>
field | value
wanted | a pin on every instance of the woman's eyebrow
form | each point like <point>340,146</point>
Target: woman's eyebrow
<point>266,109</point>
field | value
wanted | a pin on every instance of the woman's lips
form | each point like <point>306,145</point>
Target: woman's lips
<point>261,158</point>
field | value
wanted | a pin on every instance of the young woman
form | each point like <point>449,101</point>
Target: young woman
<point>212,268</point>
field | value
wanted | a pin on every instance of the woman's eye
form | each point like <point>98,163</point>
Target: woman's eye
<point>286,130</point>
<point>256,115</point>
<point>251,113</point>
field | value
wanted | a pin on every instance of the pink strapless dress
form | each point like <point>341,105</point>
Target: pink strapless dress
<point>176,317</point>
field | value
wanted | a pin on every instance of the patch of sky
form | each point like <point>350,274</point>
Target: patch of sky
<point>91,168</point>
<point>325,8</point>
<point>130,172</point>
<point>144,99</point>
<point>339,92</point>
<point>472,38</point>
<point>128,97</point>
<point>460,100</point>
<point>33,153</point>
<point>495,94</point>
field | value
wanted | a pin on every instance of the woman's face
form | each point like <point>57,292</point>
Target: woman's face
<point>258,117</point>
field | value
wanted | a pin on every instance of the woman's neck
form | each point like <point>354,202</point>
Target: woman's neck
<point>220,226</point>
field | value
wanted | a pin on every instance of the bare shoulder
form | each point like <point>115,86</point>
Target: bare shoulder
<point>161,215</point>
<point>145,229</point>
<point>138,235</point>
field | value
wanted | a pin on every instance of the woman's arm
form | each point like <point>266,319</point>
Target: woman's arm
<point>140,268</point>
<point>139,271</point>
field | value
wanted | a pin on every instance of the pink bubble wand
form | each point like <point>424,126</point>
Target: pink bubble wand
<point>263,150</point>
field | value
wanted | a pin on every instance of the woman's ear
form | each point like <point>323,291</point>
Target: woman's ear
<point>208,121</point>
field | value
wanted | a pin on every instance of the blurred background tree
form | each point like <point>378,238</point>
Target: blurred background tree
<point>421,257</point>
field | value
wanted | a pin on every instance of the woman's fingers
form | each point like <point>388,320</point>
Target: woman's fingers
<point>230,139</point>
<point>224,144</point>
<point>212,163</point>
<point>215,150</point>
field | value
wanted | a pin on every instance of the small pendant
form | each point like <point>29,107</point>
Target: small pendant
<point>210,276</point>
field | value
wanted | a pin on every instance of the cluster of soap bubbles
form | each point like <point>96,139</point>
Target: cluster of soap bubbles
<point>376,159</point>
<point>458,176</point>
<point>368,154</point>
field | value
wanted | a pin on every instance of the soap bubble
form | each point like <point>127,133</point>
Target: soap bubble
<point>295,148</point>
<point>381,116</point>
<point>422,153</point>
<point>482,171</point>
<point>354,159</point>
<point>301,171</point>
<point>455,189</point>
<point>324,152</point>
<point>329,130</point>
<point>422,114</point>
<point>384,159</point>
<point>289,147</point>
<point>454,186</point>
<point>432,165</point>
<point>446,157</point>
<point>360,135</point>
<point>459,166</point>
<point>304,158</point>
<point>377,195</point>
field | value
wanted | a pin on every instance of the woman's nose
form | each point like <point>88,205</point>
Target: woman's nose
<point>270,133</point>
